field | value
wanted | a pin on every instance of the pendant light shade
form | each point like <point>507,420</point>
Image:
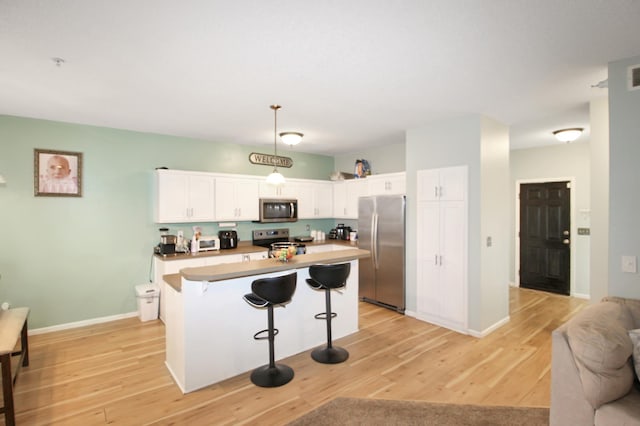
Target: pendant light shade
<point>568,135</point>
<point>275,178</point>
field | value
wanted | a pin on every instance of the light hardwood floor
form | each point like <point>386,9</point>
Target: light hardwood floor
<point>114,373</point>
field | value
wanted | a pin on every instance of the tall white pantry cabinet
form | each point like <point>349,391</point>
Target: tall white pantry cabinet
<point>442,247</point>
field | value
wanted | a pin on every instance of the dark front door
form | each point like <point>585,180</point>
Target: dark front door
<point>545,237</point>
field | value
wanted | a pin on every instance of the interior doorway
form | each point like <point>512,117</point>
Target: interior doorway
<point>544,232</point>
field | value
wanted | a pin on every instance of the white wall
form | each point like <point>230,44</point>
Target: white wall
<point>382,159</point>
<point>555,163</point>
<point>457,142</point>
<point>599,143</point>
<point>494,161</point>
<point>624,197</point>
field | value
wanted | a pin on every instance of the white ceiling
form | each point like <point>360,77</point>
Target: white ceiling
<point>349,73</point>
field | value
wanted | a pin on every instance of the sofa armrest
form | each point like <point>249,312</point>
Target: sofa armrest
<point>568,404</point>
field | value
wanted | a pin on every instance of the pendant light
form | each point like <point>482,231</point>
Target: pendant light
<point>275,178</point>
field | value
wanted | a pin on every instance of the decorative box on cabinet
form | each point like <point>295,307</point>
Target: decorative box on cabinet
<point>442,247</point>
<point>183,196</point>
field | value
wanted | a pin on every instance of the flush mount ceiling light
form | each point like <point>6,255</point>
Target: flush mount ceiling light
<point>568,135</point>
<point>291,138</point>
<point>275,178</point>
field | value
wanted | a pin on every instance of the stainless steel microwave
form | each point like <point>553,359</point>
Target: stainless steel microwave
<point>278,210</point>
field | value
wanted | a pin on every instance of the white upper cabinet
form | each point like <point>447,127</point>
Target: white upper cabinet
<point>288,190</point>
<point>315,200</point>
<point>237,198</point>
<point>184,196</point>
<point>447,184</point>
<point>387,184</point>
<point>345,197</point>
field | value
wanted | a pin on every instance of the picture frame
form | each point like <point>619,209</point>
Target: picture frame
<point>57,173</point>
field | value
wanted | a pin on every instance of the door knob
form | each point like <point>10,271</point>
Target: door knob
<point>565,232</point>
<point>566,241</point>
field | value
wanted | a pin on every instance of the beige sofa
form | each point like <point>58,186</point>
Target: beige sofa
<point>592,368</point>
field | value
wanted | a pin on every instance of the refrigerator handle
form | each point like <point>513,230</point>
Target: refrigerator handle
<point>374,239</point>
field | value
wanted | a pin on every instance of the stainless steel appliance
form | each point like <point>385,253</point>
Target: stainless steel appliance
<point>381,230</point>
<point>275,239</point>
<point>278,210</point>
<point>228,239</point>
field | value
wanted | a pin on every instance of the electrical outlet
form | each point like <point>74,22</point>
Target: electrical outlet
<point>629,264</point>
<point>308,227</point>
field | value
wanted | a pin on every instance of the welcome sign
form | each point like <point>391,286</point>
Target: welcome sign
<point>270,160</point>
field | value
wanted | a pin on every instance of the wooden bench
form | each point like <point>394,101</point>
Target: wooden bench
<point>13,326</point>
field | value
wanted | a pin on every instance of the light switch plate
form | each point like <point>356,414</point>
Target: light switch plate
<point>629,264</point>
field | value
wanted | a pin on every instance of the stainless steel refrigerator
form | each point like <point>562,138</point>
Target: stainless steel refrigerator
<point>381,230</point>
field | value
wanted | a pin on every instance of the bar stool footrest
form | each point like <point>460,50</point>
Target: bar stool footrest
<point>323,315</point>
<point>258,336</point>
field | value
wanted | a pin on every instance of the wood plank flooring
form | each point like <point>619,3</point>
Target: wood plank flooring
<point>114,373</point>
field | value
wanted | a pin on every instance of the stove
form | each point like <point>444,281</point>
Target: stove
<point>266,237</point>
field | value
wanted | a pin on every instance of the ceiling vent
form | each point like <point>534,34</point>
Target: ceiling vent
<point>634,77</point>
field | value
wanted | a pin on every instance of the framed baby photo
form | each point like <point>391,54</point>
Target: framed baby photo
<point>57,173</point>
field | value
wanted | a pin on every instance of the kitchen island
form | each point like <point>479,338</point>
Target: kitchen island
<point>210,328</point>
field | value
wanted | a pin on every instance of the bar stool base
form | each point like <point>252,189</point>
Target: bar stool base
<point>271,377</point>
<point>328,355</point>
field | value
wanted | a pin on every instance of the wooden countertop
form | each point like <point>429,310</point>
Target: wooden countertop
<point>229,271</point>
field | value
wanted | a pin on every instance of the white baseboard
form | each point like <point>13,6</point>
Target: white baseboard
<point>491,329</point>
<point>77,324</point>
<point>581,296</point>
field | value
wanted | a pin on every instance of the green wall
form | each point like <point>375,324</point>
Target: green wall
<point>75,259</point>
<point>624,202</point>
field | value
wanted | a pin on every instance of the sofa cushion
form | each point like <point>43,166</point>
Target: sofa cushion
<point>624,411</point>
<point>602,349</point>
<point>632,304</point>
<point>635,341</point>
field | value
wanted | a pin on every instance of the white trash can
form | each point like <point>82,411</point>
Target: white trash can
<point>148,296</point>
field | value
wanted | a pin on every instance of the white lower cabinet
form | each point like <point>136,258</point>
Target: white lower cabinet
<point>165,267</point>
<point>442,288</point>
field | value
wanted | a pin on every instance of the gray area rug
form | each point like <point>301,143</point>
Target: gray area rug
<point>356,411</point>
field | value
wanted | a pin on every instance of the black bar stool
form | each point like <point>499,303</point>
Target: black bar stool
<point>327,278</point>
<point>267,293</point>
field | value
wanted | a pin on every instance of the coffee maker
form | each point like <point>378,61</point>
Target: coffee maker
<point>167,243</point>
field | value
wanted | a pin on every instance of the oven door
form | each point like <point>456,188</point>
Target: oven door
<point>274,210</point>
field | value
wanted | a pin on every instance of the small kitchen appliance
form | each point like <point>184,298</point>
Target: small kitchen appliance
<point>342,232</point>
<point>208,243</point>
<point>167,244</point>
<point>228,239</point>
